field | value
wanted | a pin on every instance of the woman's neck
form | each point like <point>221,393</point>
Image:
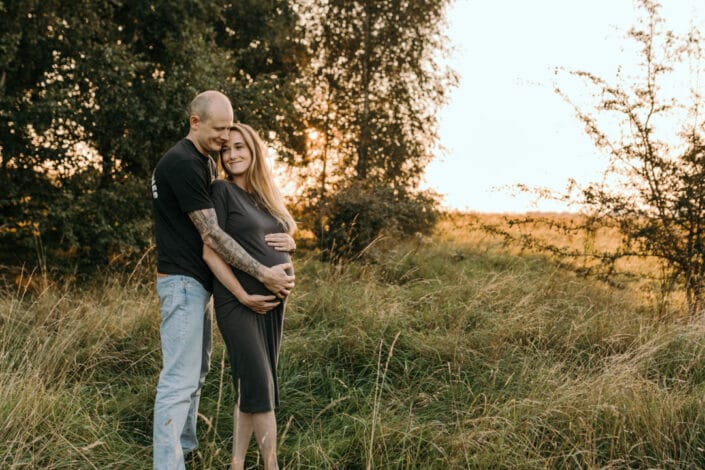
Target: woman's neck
<point>241,182</point>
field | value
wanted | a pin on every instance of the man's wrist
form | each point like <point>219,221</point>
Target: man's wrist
<point>261,273</point>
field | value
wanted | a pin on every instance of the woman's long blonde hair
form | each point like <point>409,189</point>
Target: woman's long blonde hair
<point>259,179</point>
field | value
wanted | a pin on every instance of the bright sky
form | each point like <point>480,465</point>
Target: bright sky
<point>504,124</point>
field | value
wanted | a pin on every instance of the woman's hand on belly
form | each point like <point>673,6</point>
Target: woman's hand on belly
<point>280,242</point>
<point>260,303</point>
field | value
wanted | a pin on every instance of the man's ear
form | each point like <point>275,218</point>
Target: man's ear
<point>194,121</point>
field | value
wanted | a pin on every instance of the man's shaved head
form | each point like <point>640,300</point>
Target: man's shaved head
<point>210,118</point>
<point>204,104</point>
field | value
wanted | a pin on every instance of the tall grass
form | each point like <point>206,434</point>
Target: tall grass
<point>73,363</point>
<point>450,352</point>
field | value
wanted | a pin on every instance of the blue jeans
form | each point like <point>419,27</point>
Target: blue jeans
<point>186,312</point>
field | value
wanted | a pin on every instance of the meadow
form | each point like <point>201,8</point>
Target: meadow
<point>452,351</point>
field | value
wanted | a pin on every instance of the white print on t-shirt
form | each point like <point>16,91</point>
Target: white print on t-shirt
<point>155,195</point>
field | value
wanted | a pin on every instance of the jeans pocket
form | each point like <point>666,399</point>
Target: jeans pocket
<point>165,292</point>
<point>172,295</point>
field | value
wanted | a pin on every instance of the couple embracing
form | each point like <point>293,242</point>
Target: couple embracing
<point>231,237</point>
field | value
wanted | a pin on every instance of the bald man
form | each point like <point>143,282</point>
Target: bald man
<point>184,219</point>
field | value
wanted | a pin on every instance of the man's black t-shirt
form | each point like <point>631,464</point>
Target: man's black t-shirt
<point>181,184</point>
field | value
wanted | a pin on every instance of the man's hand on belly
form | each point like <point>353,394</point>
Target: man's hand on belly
<point>277,281</point>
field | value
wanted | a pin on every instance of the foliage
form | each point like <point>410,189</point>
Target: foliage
<point>93,92</point>
<point>357,216</point>
<point>100,223</point>
<point>653,192</point>
<point>375,86</point>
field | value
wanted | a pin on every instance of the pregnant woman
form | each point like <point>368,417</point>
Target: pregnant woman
<point>251,209</point>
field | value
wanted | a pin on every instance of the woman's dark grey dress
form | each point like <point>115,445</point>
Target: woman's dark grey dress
<point>252,339</point>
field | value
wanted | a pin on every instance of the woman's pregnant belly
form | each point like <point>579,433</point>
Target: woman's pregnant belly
<point>265,255</point>
<point>252,285</point>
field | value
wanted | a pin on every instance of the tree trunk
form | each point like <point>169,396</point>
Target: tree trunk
<point>695,296</point>
<point>326,143</point>
<point>107,164</point>
<point>363,148</point>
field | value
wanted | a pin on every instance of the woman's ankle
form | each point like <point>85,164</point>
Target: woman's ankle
<point>237,464</point>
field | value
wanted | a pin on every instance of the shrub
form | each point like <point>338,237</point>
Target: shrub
<point>106,225</point>
<point>358,215</point>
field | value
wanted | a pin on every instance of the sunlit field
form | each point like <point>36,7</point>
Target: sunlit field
<point>452,351</point>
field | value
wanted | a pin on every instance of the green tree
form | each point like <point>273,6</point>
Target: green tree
<point>375,85</point>
<point>93,92</point>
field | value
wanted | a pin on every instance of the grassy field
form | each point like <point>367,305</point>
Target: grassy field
<point>448,352</point>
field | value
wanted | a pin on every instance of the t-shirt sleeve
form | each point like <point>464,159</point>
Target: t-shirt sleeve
<point>191,186</point>
<point>219,193</point>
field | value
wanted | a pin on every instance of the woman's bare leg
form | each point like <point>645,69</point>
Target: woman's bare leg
<point>265,426</point>
<point>242,433</point>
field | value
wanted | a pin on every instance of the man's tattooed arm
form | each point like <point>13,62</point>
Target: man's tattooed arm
<point>231,251</point>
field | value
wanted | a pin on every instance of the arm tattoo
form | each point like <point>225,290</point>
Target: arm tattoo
<point>232,253</point>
